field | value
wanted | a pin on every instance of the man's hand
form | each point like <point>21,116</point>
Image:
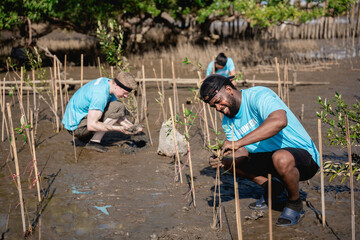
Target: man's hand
<point>132,130</point>
<point>215,162</point>
<point>227,147</point>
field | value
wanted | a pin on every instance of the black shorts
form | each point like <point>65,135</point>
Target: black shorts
<point>262,164</point>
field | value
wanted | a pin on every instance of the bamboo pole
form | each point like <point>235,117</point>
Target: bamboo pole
<point>21,83</point>
<point>302,112</point>
<point>82,70</point>
<point>236,190</point>
<point>321,174</point>
<point>352,201</point>
<point>162,98</point>
<point>4,120</point>
<point>176,97</point>
<point>206,125</point>
<point>112,71</point>
<point>61,92</point>
<point>56,96</point>
<point>279,80</point>
<point>65,84</point>
<point>34,158</point>
<point>99,63</point>
<point>189,156</point>
<point>175,141</point>
<point>211,116</point>
<point>145,106</point>
<point>13,145</point>
<point>270,207</point>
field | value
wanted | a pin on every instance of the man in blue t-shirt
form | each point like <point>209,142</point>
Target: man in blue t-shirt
<point>93,110</point>
<point>223,66</point>
<point>267,138</point>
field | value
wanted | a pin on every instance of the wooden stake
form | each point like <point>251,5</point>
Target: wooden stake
<point>65,85</point>
<point>21,82</point>
<point>112,71</point>
<point>279,80</point>
<point>34,158</point>
<point>175,140</point>
<point>82,70</point>
<point>13,145</point>
<point>4,120</point>
<point>236,190</point>
<point>351,179</point>
<point>162,98</point>
<point>270,207</point>
<point>176,97</point>
<point>321,174</point>
<point>100,74</point>
<point>189,156</point>
<point>206,125</point>
<point>56,96</point>
<point>302,112</point>
<point>145,105</point>
<point>61,92</point>
<point>162,86</point>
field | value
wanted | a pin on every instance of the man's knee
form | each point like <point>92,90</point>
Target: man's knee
<point>283,160</point>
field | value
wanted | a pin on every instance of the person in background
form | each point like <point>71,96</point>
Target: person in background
<point>95,109</point>
<point>267,138</point>
<point>223,66</point>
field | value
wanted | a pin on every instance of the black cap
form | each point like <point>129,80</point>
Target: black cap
<point>212,85</point>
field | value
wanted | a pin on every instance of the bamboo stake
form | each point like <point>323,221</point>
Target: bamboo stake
<point>270,207</point>
<point>321,174</point>
<point>351,179</point>
<point>162,98</point>
<point>13,145</point>
<point>112,71</point>
<point>56,96</point>
<point>236,190</point>
<point>21,83</point>
<point>34,158</point>
<point>211,117</point>
<point>175,141</point>
<point>66,87</point>
<point>100,74</point>
<point>162,84</point>
<point>302,112</point>
<point>206,124</point>
<point>279,80</point>
<point>27,104</point>
<point>4,120</point>
<point>176,98</point>
<point>145,106</point>
<point>61,92</point>
<point>190,162</point>
<point>33,88</point>
<point>82,70</point>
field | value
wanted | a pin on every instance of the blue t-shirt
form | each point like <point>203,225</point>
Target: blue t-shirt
<point>257,104</point>
<point>229,66</point>
<point>94,95</point>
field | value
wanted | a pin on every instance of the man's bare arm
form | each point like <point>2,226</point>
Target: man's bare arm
<point>272,125</point>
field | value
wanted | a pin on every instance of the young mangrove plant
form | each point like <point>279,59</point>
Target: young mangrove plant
<point>333,114</point>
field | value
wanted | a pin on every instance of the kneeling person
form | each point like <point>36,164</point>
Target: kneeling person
<point>268,138</point>
<point>94,109</point>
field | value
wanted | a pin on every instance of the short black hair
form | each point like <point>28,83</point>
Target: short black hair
<point>221,59</point>
<point>212,85</point>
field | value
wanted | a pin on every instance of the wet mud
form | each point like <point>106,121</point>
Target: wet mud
<point>130,192</point>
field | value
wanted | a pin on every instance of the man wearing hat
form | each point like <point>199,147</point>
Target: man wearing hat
<point>268,138</point>
<point>223,66</point>
<point>94,110</point>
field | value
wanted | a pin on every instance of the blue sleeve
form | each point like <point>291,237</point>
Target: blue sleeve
<point>265,102</point>
<point>210,68</point>
<point>230,64</point>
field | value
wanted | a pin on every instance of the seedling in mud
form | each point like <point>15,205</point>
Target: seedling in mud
<point>333,114</point>
<point>20,130</point>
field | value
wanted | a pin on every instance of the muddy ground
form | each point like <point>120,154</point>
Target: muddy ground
<point>130,192</point>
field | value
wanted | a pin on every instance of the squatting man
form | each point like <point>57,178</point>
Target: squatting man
<point>268,138</point>
<point>95,109</point>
